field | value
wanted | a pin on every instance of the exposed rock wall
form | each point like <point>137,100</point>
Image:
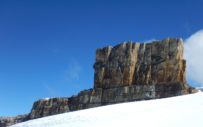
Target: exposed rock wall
<point>47,107</point>
<point>126,72</point>
<point>86,99</point>
<point>160,62</point>
<point>8,121</point>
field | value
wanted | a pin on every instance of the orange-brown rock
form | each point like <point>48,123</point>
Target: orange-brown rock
<point>159,62</point>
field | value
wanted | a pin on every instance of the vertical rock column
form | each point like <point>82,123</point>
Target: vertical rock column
<point>114,67</point>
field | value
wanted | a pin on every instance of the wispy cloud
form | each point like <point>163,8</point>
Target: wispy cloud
<point>194,57</point>
<point>50,90</point>
<point>73,70</point>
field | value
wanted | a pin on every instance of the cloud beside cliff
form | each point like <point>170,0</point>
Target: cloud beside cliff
<point>194,57</point>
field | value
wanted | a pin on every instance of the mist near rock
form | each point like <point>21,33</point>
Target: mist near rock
<point>194,57</point>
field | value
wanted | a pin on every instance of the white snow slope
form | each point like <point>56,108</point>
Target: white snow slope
<point>181,111</point>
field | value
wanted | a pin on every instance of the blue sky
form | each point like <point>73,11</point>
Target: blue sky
<point>47,48</point>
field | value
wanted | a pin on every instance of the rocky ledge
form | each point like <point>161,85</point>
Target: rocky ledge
<point>123,73</point>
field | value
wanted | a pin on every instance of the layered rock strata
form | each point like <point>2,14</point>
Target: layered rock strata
<point>126,72</point>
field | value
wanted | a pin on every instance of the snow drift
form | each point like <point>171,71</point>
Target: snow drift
<point>181,111</point>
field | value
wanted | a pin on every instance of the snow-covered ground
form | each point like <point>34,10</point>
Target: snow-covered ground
<point>182,111</point>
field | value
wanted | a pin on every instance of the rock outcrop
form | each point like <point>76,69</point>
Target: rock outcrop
<point>157,63</point>
<point>127,72</point>
<point>8,121</point>
<point>47,107</point>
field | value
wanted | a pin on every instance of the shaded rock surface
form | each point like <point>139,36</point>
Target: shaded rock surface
<point>8,121</point>
<point>47,107</point>
<point>123,73</point>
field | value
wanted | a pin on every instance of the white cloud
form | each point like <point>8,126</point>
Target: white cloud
<point>194,57</point>
<point>149,41</point>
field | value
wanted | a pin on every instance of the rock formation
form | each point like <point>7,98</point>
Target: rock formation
<point>8,121</point>
<point>159,64</point>
<point>127,72</point>
<point>47,107</point>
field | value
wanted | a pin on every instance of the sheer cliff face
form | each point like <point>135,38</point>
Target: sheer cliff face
<point>160,62</point>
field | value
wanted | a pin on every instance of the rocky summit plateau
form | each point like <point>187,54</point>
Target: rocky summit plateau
<point>129,71</point>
